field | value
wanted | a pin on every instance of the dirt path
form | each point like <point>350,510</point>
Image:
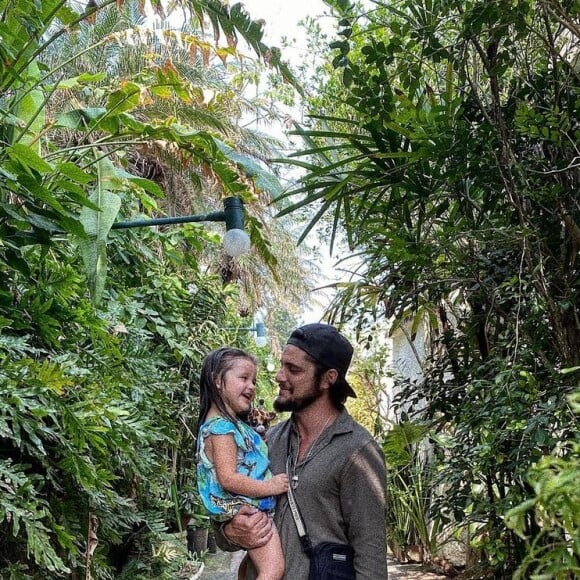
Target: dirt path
<point>411,572</point>
<point>223,566</point>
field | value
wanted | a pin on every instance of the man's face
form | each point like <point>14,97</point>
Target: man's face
<point>298,387</point>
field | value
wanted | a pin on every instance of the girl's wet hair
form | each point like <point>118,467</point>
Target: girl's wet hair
<point>215,365</point>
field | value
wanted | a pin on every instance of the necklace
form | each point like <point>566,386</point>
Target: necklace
<point>295,479</point>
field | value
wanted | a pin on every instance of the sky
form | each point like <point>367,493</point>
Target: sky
<point>282,18</point>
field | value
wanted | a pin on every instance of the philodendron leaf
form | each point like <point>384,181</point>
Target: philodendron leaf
<point>95,258</point>
<point>97,225</point>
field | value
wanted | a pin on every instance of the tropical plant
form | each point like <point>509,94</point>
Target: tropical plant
<point>412,521</point>
<point>367,377</point>
<point>97,398</point>
<point>103,116</point>
<point>555,551</point>
<point>449,166</point>
<point>95,404</point>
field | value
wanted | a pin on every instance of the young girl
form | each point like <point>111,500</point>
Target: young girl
<point>232,467</point>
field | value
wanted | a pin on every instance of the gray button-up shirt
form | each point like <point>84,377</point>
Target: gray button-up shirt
<point>341,493</point>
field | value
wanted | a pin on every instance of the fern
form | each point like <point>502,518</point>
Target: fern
<point>20,505</point>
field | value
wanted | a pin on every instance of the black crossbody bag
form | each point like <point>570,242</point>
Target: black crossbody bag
<point>331,561</point>
<point>328,560</point>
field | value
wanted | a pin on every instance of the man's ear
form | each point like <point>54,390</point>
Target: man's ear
<point>329,378</point>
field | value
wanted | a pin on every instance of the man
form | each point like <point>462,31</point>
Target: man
<point>336,469</point>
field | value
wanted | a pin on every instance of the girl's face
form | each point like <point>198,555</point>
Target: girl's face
<point>237,386</point>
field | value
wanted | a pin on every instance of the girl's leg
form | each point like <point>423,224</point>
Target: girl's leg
<point>269,559</point>
<point>243,568</point>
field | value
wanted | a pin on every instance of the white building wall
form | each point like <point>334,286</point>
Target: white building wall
<point>405,364</point>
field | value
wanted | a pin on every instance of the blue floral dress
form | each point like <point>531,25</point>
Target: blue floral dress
<point>252,461</point>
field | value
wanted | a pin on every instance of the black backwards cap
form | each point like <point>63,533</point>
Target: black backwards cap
<point>327,346</point>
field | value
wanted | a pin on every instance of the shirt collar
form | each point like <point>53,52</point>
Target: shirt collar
<point>342,424</point>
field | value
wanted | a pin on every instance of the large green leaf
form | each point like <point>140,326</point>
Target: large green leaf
<point>29,107</point>
<point>97,226</point>
<point>124,99</point>
<point>28,158</point>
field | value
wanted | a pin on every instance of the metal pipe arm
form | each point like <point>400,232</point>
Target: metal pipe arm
<point>217,216</point>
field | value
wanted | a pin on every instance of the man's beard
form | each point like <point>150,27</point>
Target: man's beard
<point>298,404</point>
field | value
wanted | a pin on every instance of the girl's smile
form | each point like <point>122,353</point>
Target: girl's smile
<point>238,386</point>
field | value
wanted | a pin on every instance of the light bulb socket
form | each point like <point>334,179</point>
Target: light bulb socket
<point>234,210</point>
<point>236,240</point>
<point>261,339</point>
<point>260,329</point>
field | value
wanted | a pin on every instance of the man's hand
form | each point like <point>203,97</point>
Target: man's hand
<point>249,528</point>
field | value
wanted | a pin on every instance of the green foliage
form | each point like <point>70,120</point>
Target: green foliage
<point>448,165</point>
<point>412,518</point>
<point>555,509</point>
<point>97,224</point>
<point>368,380</point>
<point>98,398</point>
<point>98,407</point>
<point>234,22</point>
<point>89,121</point>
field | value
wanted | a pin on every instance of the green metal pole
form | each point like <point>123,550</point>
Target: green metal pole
<point>233,215</point>
<point>218,216</point>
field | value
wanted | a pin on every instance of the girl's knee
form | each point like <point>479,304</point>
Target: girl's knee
<point>274,571</point>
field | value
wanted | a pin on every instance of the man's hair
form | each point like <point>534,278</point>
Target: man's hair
<point>338,391</point>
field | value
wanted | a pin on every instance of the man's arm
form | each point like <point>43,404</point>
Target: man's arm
<point>363,502</point>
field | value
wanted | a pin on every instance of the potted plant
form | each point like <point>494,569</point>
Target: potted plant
<point>194,519</point>
<point>197,533</point>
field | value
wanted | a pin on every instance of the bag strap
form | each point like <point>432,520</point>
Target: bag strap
<point>296,515</point>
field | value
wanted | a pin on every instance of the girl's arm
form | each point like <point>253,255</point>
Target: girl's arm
<point>224,455</point>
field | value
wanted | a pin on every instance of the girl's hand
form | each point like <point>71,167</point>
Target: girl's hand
<point>279,484</point>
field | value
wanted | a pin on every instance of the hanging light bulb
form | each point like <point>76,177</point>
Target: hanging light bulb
<point>236,242</point>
